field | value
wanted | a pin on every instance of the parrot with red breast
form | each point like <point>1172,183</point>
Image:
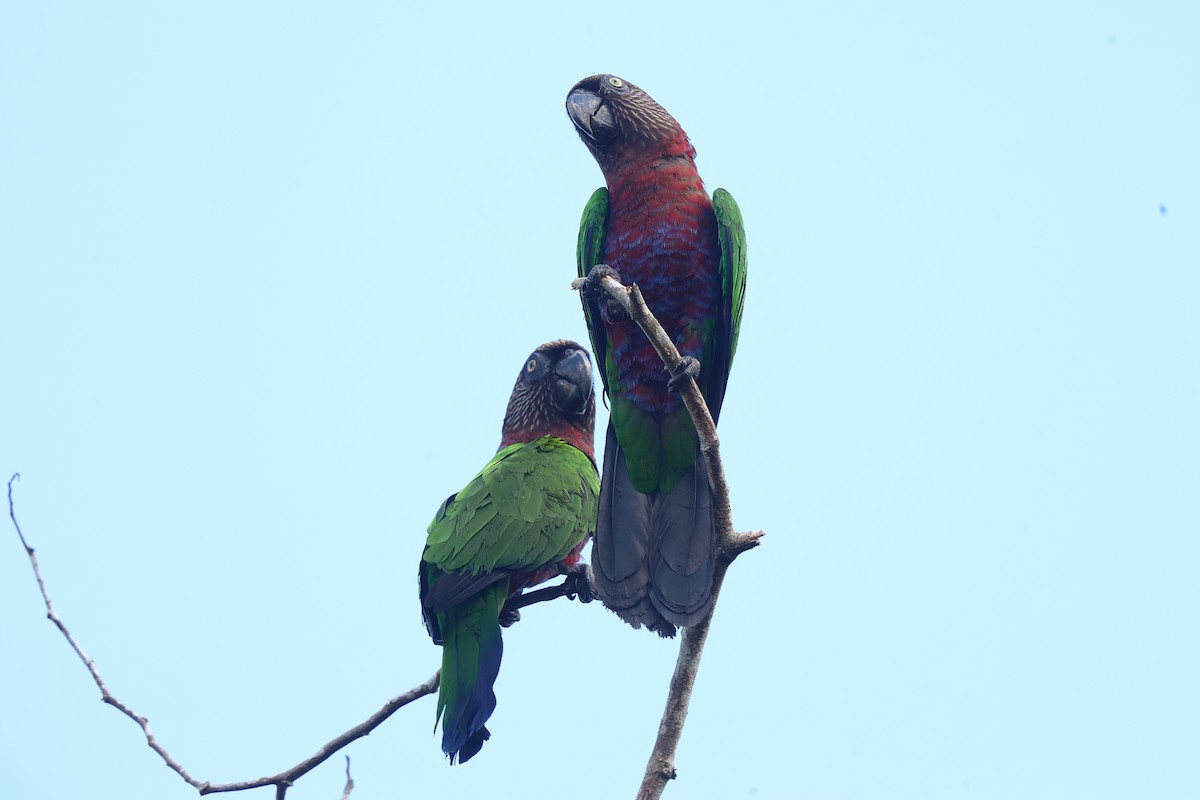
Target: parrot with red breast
<point>654,224</point>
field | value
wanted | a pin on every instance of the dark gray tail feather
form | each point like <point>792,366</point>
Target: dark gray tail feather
<point>619,554</point>
<point>654,554</point>
<point>683,545</point>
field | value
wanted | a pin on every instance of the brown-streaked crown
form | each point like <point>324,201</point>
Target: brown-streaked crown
<point>616,119</point>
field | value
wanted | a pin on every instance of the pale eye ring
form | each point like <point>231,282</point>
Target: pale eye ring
<point>615,82</point>
<point>532,365</point>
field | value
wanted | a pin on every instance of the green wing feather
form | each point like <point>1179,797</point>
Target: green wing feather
<point>530,506</point>
<point>731,236</point>
<point>588,253</point>
<point>635,428</point>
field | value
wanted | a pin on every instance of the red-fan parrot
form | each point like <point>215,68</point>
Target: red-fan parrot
<point>522,520</point>
<point>656,226</point>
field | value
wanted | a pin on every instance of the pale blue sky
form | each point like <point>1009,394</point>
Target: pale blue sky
<point>269,271</point>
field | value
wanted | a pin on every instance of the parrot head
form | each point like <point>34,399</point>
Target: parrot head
<point>553,392</point>
<point>617,120</point>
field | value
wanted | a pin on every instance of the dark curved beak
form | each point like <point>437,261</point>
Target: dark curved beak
<point>573,383</point>
<point>591,116</point>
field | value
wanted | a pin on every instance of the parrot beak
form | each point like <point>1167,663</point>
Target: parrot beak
<point>591,116</point>
<point>573,383</point>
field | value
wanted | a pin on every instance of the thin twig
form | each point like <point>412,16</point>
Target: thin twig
<point>661,766</point>
<point>580,574</point>
<point>349,781</point>
<point>105,695</point>
<point>283,780</point>
<point>538,596</point>
<point>288,777</point>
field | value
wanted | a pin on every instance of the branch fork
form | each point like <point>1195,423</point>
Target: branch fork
<point>661,767</point>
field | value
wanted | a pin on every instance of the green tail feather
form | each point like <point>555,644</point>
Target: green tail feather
<point>471,652</point>
<point>657,451</point>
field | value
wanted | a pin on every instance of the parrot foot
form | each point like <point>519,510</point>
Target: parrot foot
<point>509,616</point>
<point>593,292</point>
<point>578,584</point>
<point>688,368</point>
<point>591,282</point>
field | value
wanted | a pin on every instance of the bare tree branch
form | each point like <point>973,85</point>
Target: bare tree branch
<point>661,766</point>
<point>281,781</point>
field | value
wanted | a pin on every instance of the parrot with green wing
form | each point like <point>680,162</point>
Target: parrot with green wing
<point>655,225</point>
<point>522,520</point>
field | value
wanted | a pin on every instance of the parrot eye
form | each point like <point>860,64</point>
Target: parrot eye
<point>615,82</point>
<point>532,365</point>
